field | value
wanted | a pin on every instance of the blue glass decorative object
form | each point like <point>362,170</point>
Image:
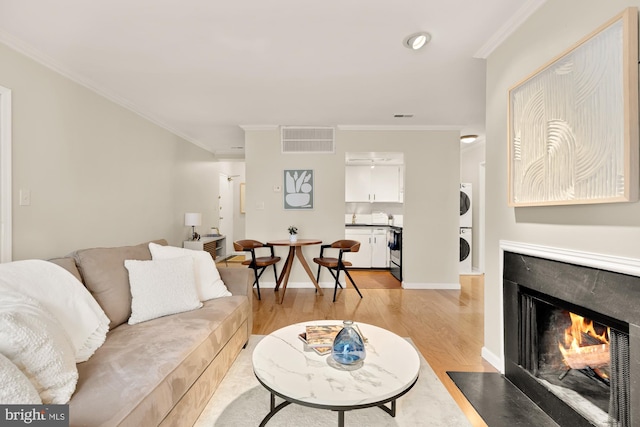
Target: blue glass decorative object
<point>348,346</point>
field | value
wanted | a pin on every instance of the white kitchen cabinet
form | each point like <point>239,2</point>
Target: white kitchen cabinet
<point>385,183</point>
<point>379,248</point>
<point>362,258</point>
<point>380,184</point>
<point>357,183</point>
<point>373,251</point>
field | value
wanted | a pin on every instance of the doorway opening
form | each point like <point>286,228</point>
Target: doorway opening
<point>225,210</point>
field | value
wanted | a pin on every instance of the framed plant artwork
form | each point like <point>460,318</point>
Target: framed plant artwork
<point>298,189</point>
<point>573,123</point>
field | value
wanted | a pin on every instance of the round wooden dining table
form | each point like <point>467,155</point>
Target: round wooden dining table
<point>295,250</point>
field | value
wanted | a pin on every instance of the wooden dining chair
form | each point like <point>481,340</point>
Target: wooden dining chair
<point>258,263</point>
<point>337,264</point>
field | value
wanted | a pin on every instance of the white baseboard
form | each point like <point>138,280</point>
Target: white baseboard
<point>330,285</point>
<point>448,286</point>
<point>306,284</point>
<point>473,272</point>
<point>493,359</point>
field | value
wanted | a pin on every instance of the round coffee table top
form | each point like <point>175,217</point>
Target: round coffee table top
<point>282,365</point>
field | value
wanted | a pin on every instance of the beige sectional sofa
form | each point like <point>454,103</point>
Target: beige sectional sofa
<point>162,371</point>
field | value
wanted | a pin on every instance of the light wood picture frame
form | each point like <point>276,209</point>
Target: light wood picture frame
<point>242,191</point>
<point>573,123</point>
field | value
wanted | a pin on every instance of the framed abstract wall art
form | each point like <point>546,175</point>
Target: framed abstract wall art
<point>298,189</point>
<point>573,124</point>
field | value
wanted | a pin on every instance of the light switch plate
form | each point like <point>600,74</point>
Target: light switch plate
<point>25,197</point>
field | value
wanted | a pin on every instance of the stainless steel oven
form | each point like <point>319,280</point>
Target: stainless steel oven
<point>395,252</point>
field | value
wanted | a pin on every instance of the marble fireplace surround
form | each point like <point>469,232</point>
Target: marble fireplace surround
<point>604,284</point>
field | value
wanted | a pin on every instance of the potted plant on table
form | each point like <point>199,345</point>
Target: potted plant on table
<point>293,233</point>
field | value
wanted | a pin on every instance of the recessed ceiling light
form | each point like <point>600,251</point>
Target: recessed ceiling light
<point>468,139</point>
<point>417,40</point>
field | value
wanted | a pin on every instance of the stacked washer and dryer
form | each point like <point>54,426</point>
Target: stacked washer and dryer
<point>466,209</point>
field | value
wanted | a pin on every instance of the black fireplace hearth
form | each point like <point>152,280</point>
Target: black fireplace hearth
<point>578,383</point>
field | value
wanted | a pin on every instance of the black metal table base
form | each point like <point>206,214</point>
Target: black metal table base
<point>276,408</point>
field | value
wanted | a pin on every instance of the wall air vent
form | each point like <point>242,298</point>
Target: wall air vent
<point>308,139</point>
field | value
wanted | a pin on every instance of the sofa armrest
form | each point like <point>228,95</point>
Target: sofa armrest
<point>240,282</point>
<point>237,280</point>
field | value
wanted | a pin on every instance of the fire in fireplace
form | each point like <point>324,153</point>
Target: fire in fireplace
<point>567,340</point>
<point>573,360</point>
<point>586,350</point>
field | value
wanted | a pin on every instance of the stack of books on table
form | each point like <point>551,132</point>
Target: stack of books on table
<point>320,337</point>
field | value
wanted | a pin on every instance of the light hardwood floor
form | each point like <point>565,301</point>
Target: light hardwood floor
<point>445,325</point>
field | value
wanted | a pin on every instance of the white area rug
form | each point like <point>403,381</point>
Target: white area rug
<point>241,401</point>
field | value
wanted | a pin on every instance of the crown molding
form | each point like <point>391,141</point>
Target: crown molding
<point>400,127</point>
<point>39,57</point>
<point>247,128</point>
<point>508,28</point>
<point>366,127</point>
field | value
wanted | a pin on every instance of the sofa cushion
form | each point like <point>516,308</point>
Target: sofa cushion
<point>69,264</point>
<point>161,287</point>
<point>143,370</point>
<point>208,282</point>
<point>107,279</point>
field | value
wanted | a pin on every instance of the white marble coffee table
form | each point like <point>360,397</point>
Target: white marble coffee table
<point>283,367</point>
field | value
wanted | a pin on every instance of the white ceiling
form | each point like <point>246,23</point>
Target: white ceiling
<point>203,68</point>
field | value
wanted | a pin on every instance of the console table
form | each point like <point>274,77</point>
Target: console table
<point>216,246</point>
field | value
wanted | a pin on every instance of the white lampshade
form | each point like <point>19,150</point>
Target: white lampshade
<point>192,219</point>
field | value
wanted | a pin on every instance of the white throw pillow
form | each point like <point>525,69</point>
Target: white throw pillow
<point>161,287</point>
<point>208,281</point>
<point>62,295</point>
<point>15,387</point>
<point>37,344</point>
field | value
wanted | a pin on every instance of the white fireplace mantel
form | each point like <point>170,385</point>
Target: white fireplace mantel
<point>630,266</point>
<point>618,264</point>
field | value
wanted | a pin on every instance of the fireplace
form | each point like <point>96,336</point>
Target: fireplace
<point>572,339</point>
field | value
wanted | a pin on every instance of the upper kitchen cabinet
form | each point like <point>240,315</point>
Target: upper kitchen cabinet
<point>378,184</point>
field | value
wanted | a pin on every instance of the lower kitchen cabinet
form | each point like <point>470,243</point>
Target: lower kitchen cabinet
<point>374,252</point>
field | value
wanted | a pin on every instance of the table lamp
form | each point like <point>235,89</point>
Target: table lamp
<point>193,220</point>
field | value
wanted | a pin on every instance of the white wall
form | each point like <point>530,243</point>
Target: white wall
<point>99,174</point>
<point>431,209</point>
<point>604,228</point>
